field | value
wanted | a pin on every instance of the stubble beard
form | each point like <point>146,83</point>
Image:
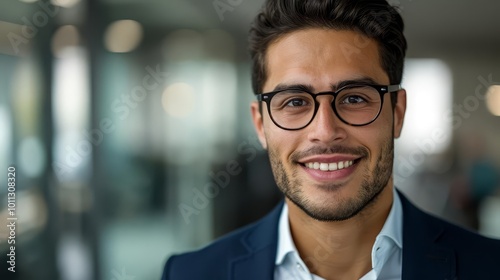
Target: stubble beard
<point>339,208</point>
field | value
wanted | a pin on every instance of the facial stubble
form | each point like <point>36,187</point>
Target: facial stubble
<point>340,208</point>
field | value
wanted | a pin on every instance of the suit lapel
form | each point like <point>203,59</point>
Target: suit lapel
<point>261,244</point>
<point>423,257</point>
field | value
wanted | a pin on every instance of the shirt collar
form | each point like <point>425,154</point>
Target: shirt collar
<point>393,226</point>
<point>285,242</point>
<point>392,229</point>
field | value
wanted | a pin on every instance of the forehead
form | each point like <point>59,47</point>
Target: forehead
<point>321,57</point>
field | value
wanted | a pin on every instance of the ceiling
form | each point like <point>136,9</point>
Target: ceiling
<point>458,25</point>
<point>454,25</point>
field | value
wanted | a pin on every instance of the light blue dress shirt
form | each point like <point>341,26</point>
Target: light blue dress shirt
<point>386,251</point>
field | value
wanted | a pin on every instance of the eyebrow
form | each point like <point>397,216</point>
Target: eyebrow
<point>333,87</point>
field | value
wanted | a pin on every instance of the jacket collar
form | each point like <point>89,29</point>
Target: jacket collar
<point>261,243</point>
<point>423,257</point>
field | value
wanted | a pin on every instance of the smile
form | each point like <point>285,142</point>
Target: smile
<point>332,166</point>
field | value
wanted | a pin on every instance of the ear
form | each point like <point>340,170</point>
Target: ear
<point>258,123</point>
<point>399,113</point>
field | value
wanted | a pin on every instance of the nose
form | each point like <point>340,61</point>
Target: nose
<point>326,128</point>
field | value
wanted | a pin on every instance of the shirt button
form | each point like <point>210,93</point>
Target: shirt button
<point>299,266</point>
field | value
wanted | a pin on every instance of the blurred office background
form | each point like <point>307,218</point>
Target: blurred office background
<point>128,124</point>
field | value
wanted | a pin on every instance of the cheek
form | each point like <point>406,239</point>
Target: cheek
<point>278,140</point>
<point>384,122</point>
<point>375,135</point>
<point>282,142</point>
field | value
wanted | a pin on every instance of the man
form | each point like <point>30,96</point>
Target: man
<point>327,74</point>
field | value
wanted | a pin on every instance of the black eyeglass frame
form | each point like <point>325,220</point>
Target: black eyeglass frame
<point>381,89</point>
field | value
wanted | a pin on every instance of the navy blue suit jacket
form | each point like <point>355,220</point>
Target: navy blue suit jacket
<point>432,249</point>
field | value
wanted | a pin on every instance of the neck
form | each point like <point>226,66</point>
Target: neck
<point>340,249</point>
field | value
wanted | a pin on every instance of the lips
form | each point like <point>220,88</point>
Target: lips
<point>330,167</point>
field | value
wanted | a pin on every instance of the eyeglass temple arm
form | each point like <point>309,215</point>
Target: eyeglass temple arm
<point>393,88</point>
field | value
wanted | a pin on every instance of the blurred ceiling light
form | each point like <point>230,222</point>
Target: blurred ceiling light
<point>66,36</point>
<point>71,94</point>
<point>220,44</point>
<point>424,117</point>
<point>493,100</point>
<point>178,100</point>
<point>28,1</point>
<point>72,151</point>
<point>123,36</point>
<point>64,3</point>
<point>183,44</point>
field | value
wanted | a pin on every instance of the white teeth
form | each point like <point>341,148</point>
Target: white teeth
<point>323,166</point>
<point>329,166</point>
<point>332,166</point>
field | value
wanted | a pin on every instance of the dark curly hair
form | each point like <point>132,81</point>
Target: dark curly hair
<point>376,19</point>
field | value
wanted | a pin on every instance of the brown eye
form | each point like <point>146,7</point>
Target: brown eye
<point>297,102</point>
<point>353,99</point>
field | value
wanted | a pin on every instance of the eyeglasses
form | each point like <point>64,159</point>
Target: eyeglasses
<point>356,105</point>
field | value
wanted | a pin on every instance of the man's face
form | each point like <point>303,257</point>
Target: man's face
<point>321,59</point>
